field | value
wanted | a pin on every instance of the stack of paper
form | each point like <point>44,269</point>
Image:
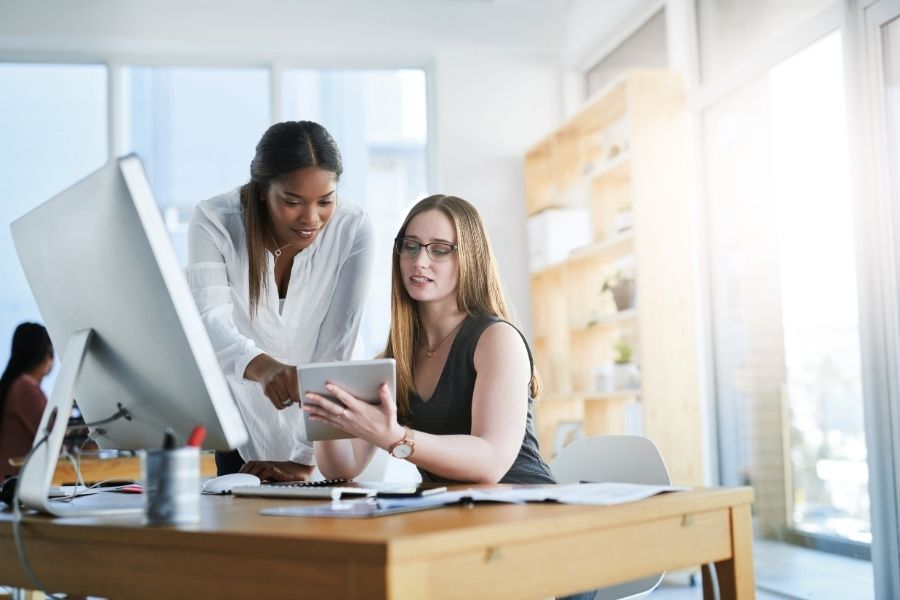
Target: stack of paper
<point>601,494</point>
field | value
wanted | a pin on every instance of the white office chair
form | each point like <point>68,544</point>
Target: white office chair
<point>384,467</point>
<point>614,458</point>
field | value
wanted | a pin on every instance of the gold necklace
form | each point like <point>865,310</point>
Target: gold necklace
<point>429,352</point>
<point>277,251</point>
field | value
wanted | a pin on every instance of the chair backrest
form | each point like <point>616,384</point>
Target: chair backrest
<point>619,458</point>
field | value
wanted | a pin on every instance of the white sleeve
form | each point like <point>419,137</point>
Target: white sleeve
<point>303,453</point>
<point>337,335</point>
<point>208,278</point>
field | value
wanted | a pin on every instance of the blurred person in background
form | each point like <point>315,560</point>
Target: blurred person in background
<point>22,401</point>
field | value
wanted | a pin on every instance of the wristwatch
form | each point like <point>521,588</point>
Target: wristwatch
<point>405,447</point>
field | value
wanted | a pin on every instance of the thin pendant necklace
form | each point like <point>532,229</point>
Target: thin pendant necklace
<point>429,352</point>
<point>278,250</point>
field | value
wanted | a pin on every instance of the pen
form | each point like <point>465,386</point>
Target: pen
<point>169,440</point>
<point>196,437</point>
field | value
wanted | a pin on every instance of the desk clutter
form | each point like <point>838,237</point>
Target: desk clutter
<point>593,494</point>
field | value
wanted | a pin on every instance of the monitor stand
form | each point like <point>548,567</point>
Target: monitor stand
<point>36,476</point>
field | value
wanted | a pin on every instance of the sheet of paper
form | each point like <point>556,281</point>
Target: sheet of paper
<point>597,494</point>
<point>602,494</point>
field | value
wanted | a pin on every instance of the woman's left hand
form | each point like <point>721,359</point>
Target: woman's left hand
<point>375,423</point>
<point>277,470</point>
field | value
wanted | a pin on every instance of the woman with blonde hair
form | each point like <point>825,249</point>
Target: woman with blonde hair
<point>466,380</point>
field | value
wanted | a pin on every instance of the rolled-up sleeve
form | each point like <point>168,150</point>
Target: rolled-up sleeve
<point>207,276</point>
<point>337,335</point>
<point>303,453</point>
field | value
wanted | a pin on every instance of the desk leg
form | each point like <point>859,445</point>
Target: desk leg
<point>710,584</point>
<point>736,580</point>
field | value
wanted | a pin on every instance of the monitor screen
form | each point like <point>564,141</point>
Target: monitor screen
<point>98,259</point>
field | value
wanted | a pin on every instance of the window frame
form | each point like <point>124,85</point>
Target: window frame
<point>878,229</point>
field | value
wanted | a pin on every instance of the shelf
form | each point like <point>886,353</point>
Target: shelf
<point>605,106</point>
<point>557,397</point>
<point>626,394</point>
<point>577,193</point>
<point>619,245</point>
<point>554,269</point>
<point>616,246</point>
<point>621,159</point>
<point>625,316</point>
<point>616,167</point>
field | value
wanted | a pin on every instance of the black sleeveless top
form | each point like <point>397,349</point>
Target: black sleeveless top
<point>449,410</point>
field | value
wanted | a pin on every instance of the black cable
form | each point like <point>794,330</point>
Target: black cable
<point>119,414</point>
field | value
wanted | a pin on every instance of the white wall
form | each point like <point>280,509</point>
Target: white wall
<point>592,30</point>
<point>490,110</point>
<point>493,71</point>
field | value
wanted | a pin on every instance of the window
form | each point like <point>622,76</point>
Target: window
<point>784,298</point>
<point>378,119</point>
<point>195,130</point>
<point>732,30</point>
<point>53,123</point>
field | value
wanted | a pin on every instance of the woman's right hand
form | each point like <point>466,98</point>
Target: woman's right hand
<point>278,380</point>
<point>375,423</point>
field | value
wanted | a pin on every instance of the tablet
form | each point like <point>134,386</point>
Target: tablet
<point>362,378</point>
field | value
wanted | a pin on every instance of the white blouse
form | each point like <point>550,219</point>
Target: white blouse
<point>318,321</point>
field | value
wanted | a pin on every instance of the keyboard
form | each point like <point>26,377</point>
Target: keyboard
<point>332,489</point>
<point>335,489</point>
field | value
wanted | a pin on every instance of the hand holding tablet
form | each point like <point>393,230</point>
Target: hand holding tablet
<point>361,379</point>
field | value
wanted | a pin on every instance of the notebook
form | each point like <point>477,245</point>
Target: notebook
<point>335,489</point>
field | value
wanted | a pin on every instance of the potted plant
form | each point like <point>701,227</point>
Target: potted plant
<point>625,372</point>
<point>621,284</point>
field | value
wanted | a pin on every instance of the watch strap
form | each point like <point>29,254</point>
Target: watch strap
<point>406,440</point>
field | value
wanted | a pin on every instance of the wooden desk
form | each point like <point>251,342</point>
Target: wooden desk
<point>122,467</point>
<point>495,551</point>
<point>95,469</point>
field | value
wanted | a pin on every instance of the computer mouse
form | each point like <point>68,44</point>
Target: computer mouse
<point>8,491</point>
<point>223,484</point>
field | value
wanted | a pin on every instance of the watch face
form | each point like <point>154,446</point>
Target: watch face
<point>402,451</point>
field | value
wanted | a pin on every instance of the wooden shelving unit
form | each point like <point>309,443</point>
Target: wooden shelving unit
<point>623,157</point>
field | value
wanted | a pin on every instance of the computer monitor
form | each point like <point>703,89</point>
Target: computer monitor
<point>120,313</point>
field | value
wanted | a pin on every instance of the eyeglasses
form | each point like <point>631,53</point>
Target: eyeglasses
<point>437,251</point>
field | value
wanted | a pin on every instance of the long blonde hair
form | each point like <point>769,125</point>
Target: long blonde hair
<point>479,290</point>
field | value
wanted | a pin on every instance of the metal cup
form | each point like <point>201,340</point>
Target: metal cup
<point>171,480</point>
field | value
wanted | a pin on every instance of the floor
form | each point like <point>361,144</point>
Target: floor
<point>790,572</point>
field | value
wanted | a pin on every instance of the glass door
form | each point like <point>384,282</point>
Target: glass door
<point>784,292</point>
<point>879,182</point>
